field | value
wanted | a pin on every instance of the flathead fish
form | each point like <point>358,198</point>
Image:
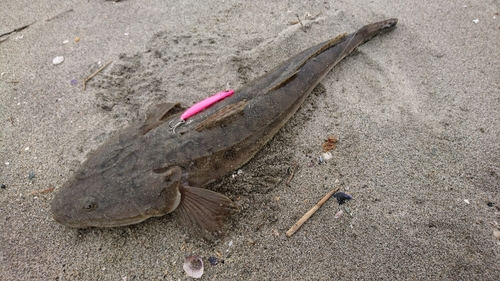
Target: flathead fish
<point>148,170</point>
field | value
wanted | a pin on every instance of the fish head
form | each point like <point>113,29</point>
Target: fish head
<point>117,196</point>
<point>117,185</point>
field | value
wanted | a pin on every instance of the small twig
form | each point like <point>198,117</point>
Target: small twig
<point>47,190</point>
<point>303,28</point>
<point>291,175</point>
<point>60,14</point>
<point>309,213</point>
<point>16,30</point>
<point>95,73</point>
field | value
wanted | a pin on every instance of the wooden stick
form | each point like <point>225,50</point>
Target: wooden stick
<point>95,73</point>
<point>297,15</point>
<point>309,213</point>
<point>16,30</point>
<point>291,174</point>
<point>60,14</point>
<point>48,190</point>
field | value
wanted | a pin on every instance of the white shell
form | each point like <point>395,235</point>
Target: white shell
<point>193,266</point>
<point>327,156</point>
<point>58,60</point>
<point>496,233</point>
<point>339,214</point>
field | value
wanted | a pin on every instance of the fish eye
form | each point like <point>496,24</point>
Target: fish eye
<point>89,204</point>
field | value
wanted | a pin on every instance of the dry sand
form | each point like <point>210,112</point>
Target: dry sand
<point>416,113</point>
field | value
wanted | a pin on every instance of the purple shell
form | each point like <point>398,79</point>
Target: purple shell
<point>342,197</point>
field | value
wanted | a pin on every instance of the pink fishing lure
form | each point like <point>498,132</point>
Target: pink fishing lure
<point>206,103</point>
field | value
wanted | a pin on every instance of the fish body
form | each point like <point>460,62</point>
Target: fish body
<point>148,170</point>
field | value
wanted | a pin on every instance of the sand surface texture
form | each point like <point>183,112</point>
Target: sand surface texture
<point>416,112</point>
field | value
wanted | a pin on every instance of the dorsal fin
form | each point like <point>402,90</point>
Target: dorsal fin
<point>223,117</point>
<point>158,115</point>
<point>283,82</point>
<point>327,45</point>
<point>330,44</point>
<point>292,76</point>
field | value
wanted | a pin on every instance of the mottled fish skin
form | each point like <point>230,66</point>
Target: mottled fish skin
<point>147,170</point>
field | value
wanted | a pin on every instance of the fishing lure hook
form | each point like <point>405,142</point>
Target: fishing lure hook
<point>178,124</point>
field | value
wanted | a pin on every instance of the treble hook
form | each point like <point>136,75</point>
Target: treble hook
<point>178,124</point>
<point>199,107</point>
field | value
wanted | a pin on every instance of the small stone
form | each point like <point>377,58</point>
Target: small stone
<point>490,204</point>
<point>66,41</point>
<point>31,175</point>
<point>475,21</point>
<point>58,60</point>
<point>3,186</point>
<point>213,261</point>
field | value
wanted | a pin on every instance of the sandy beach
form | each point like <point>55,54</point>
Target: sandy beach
<point>416,112</point>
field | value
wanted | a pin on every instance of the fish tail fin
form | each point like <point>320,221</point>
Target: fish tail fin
<point>204,209</point>
<point>371,30</point>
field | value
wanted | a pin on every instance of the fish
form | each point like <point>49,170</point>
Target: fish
<point>149,170</point>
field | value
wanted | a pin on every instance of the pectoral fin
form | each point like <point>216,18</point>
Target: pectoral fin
<point>204,209</point>
<point>159,114</point>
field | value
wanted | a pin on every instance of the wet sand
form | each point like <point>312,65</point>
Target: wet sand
<point>415,111</point>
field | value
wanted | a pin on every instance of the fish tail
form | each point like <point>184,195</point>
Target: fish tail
<point>371,30</point>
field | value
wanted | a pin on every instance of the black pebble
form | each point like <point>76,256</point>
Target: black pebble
<point>3,186</point>
<point>490,204</point>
